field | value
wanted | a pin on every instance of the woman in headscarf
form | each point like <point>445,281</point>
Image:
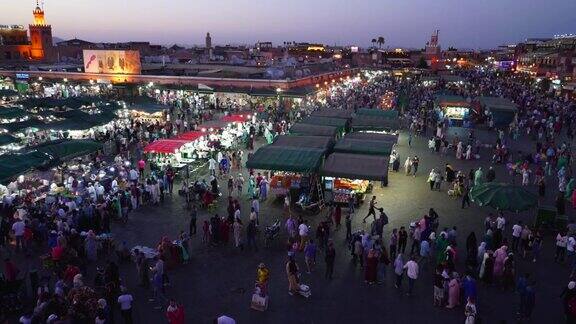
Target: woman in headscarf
<point>453,291</point>
<point>509,272</point>
<point>487,267</point>
<point>499,258</point>
<point>370,271</point>
<point>471,249</point>
<point>398,269</point>
<point>459,149</point>
<point>408,165</point>
<point>292,273</point>
<point>91,246</point>
<point>480,253</point>
<point>441,245</point>
<point>251,187</point>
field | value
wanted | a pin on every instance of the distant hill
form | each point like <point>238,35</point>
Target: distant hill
<point>56,40</point>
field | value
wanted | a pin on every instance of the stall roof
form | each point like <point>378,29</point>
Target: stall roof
<point>374,136</point>
<point>356,166</point>
<point>326,121</point>
<point>214,124</point>
<point>166,146</point>
<point>65,150</point>
<point>11,113</point>
<point>333,113</point>
<point>392,114</point>
<point>190,136</point>
<point>313,130</point>
<point>14,164</point>
<point>450,100</point>
<point>235,118</point>
<point>71,102</point>
<point>497,103</point>
<point>374,123</point>
<point>363,146</point>
<point>317,142</point>
<point>288,159</point>
<point>6,139</point>
<point>15,127</point>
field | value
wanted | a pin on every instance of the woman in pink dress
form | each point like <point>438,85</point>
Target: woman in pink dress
<point>499,257</point>
<point>453,291</point>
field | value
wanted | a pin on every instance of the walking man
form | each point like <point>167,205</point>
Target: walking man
<point>411,268</point>
<point>371,209</point>
<point>329,258</point>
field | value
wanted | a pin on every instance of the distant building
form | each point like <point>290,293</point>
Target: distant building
<point>16,46</point>
<point>433,52</point>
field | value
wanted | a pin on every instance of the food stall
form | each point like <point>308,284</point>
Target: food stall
<point>374,123</point>
<point>313,130</point>
<point>340,124</point>
<point>501,110</point>
<point>166,152</point>
<point>350,174</point>
<point>455,109</point>
<point>333,113</point>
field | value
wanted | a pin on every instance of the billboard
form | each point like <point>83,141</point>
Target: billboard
<point>112,62</point>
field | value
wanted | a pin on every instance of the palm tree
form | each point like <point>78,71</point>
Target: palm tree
<point>374,42</point>
<point>380,41</point>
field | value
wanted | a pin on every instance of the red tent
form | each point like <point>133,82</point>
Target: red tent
<point>237,118</point>
<point>166,146</point>
<point>190,136</point>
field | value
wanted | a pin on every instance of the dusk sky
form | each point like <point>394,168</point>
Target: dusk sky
<point>406,23</point>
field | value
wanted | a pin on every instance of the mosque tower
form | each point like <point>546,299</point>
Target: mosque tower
<point>41,47</point>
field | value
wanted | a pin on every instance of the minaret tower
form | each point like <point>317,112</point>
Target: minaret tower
<point>41,47</point>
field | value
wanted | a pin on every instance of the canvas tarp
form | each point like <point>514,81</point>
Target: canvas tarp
<point>6,139</point>
<point>356,166</point>
<point>333,113</point>
<point>313,130</point>
<point>363,146</point>
<point>502,109</point>
<point>288,159</point>
<point>374,136</point>
<point>12,113</point>
<point>66,150</point>
<point>316,142</point>
<point>374,123</point>
<point>339,123</point>
<point>391,114</point>
<point>12,165</point>
<point>30,123</point>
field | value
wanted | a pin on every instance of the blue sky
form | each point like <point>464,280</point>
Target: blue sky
<point>408,23</point>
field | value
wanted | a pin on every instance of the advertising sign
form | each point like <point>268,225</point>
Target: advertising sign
<point>112,62</point>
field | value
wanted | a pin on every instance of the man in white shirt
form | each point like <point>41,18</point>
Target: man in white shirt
<point>561,243</point>
<point>18,229</point>
<point>212,166</point>
<point>303,232</point>
<point>125,300</point>
<point>412,273</point>
<point>500,222</point>
<point>516,231</point>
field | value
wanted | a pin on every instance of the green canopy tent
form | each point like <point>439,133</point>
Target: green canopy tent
<point>65,150</point>
<point>503,196</point>
<point>390,114</point>
<point>356,167</point>
<point>313,130</point>
<point>12,113</point>
<point>13,164</point>
<point>363,146</point>
<point>374,136</point>
<point>364,122</point>
<point>339,123</point>
<point>46,102</point>
<point>502,109</point>
<point>333,113</point>
<point>315,142</point>
<point>288,159</point>
<point>30,123</point>
<point>6,139</point>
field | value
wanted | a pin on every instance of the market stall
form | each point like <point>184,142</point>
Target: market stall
<point>313,130</point>
<point>373,123</point>
<point>165,152</point>
<point>374,136</point>
<point>295,166</point>
<point>333,113</point>
<point>348,175</point>
<point>379,113</point>
<point>455,109</point>
<point>340,124</point>
<point>363,146</point>
<point>501,110</point>
<point>317,142</point>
